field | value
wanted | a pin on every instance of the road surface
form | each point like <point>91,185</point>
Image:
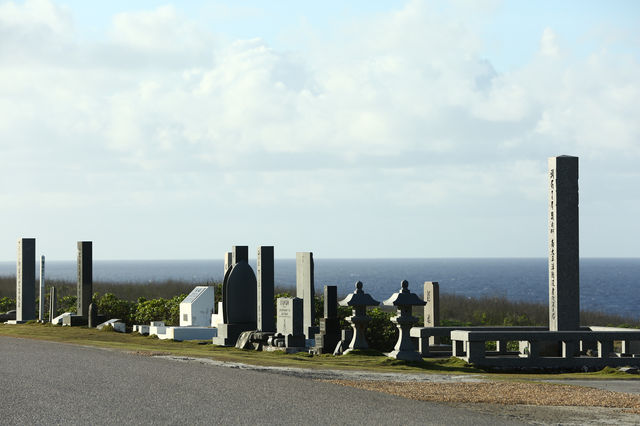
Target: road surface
<point>54,383</point>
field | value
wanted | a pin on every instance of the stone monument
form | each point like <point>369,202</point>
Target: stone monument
<point>85,278</point>
<point>432,308</point>
<point>53,304</point>
<point>197,307</point>
<point>564,257</point>
<point>228,261</point>
<point>329,335</point>
<point>43,296</point>
<point>305,291</point>
<point>290,321</point>
<point>404,301</point>
<point>265,282</point>
<point>238,299</point>
<point>358,301</point>
<point>26,280</point>
<point>92,317</point>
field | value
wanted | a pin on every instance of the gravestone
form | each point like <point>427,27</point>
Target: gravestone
<point>432,308</point>
<point>26,280</point>
<point>228,262</point>
<point>93,316</point>
<point>53,304</point>
<point>42,294</point>
<point>197,307</point>
<point>305,291</point>
<point>564,257</point>
<point>239,254</point>
<point>290,321</point>
<point>329,335</point>
<point>218,317</point>
<point>238,299</point>
<point>265,282</point>
<point>85,278</point>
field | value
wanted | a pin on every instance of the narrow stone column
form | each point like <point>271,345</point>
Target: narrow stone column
<point>265,281</point>
<point>305,290</point>
<point>42,294</point>
<point>228,262</point>
<point>85,277</point>
<point>564,257</point>
<point>432,308</point>
<point>239,254</point>
<point>53,304</point>
<point>93,315</point>
<point>26,280</point>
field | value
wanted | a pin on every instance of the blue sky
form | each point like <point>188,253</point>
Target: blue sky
<point>378,129</point>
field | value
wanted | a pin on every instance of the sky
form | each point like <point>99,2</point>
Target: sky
<point>395,129</point>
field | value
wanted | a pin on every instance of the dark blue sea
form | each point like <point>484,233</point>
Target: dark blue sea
<point>606,284</point>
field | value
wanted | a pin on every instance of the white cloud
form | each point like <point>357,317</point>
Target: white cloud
<point>395,110</point>
<point>162,30</point>
<point>549,43</point>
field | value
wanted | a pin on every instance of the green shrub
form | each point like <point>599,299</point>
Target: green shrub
<point>167,310</point>
<point>7,304</point>
<point>67,304</point>
<point>381,333</point>
<point>113,307</point>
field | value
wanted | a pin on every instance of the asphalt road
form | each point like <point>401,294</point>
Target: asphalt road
<point>54,383</point>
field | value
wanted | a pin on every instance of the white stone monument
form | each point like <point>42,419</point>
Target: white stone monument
<point>197,307</point>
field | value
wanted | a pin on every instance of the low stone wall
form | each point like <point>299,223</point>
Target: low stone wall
<point>423,335</point>
<point>470,345</point>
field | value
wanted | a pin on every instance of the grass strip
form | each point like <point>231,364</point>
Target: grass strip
<point>369,360</point>
<point>145,345</point>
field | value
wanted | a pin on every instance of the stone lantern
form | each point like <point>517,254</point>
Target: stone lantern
<point>358,300</point>
<point>404,301</point>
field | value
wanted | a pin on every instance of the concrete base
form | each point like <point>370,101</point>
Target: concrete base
<point>291,350</point>
<point>74,320</point>
<point>142,329</point>
<point>177,333</point>
<point>157,330</point>
<point>117,325</point>
<point>77,320</point>
<point>14,322</point>
<point>228,333</point>
<point>60,318</point>
<point>191,333</point>
<point>404,355</point>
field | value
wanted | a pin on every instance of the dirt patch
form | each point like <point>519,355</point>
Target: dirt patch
<point>504,393</point>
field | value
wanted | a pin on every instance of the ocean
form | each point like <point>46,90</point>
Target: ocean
<point>606,284</point>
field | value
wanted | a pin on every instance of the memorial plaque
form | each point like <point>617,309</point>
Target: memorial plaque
<point>432,308</point>
<point>290,319</point>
